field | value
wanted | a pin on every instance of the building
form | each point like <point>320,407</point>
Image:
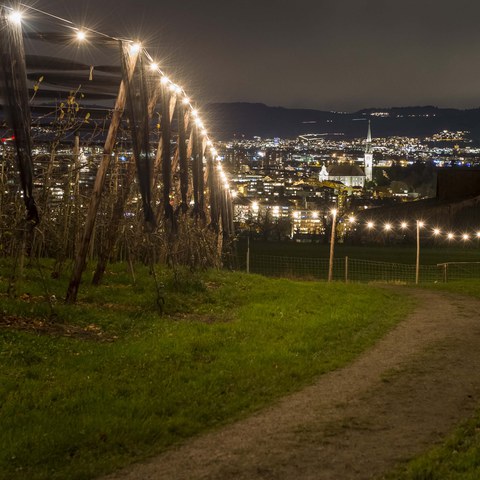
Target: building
<point>349,174</point>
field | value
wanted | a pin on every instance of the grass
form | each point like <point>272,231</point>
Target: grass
<point>79,406</point>
<point>458,457</point>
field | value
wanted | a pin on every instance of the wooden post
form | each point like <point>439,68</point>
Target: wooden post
<point>80,258</point>
<point>417,264</point>
<point>183,119</point>
<point>332,246</point>
<point>119,207</point>
<point>164,152</point>
<point>346,269</point>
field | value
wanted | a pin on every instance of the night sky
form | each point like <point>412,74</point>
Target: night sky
<point>331,55</point>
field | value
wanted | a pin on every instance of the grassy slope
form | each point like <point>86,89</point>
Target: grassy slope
<point>231,343</point>
<point>458,458</point>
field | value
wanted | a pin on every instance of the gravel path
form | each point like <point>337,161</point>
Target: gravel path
<point>395,401</point>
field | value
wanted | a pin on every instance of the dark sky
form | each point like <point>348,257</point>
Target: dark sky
<point>322,54</point>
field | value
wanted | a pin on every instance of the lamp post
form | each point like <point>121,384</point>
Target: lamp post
<point>417,265</point>
<point>332,244</point>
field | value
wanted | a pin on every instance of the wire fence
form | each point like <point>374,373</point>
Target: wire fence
<point>354,270</point>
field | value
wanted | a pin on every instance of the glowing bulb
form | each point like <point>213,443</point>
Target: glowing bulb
<point>478,234</point>
<point>450,236</point>
<point>204,132</point>
<point>164,80</point>
<point>194,113</point>
<point>255,206</point>
<point>315,215</point>
<point>178,90</point>
<point>135,48</point>
<point>186,101</point>
<point>234,193</point>
<point>370,225</point>
<point>436,231</point>
<point>154,66</point>
<point>351,219</point>
<point>209,143</point>
<point>81,36</point>
<point>404,225</point>
<point>466,236</point>
<point>214,153</point>
<point>420,224</point>
<point>199,123</point>
<point>16,17</point>
<point>388,227</point>
<point>173,87</point>
<point>333,211</point>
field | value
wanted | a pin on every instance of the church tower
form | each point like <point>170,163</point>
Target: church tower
<point>368,157</point>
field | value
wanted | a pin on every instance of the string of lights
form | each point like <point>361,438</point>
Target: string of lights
<point>86,34</point>
<point>404,227</point>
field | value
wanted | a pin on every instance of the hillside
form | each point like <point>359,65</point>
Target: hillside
<point>256,119</point>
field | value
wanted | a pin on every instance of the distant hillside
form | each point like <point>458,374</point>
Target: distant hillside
<point>257,119</point>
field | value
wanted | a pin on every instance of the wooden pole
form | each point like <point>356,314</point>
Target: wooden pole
<point>417,266</point>
<point>183,119</point>
<point>80,258</point>
<point>332,246</point>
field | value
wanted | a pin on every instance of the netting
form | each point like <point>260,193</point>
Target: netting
<point>356,270</point>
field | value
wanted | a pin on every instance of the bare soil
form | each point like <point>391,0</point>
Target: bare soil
<point>395,401</point>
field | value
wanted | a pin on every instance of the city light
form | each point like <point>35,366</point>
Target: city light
<point>404,225</point>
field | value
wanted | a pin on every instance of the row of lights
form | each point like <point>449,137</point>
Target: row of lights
<point>82,34</point>
<point>386,227</point>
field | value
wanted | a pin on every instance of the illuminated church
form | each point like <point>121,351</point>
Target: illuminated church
<point>349,174</point>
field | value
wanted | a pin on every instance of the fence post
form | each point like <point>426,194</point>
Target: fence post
<point>445,273</point>
<point>248,254</point>
<point>346,269</point>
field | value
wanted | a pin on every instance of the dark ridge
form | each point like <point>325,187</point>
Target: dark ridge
<point>229,120</point>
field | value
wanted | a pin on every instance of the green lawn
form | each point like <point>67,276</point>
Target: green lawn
<point>127,382</point>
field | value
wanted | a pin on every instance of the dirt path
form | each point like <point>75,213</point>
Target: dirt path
<point>395,401</point>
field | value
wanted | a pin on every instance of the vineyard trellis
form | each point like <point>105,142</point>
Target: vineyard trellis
<point>77,131</point>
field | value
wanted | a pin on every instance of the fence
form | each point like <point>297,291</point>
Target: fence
<point>348,269</point>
